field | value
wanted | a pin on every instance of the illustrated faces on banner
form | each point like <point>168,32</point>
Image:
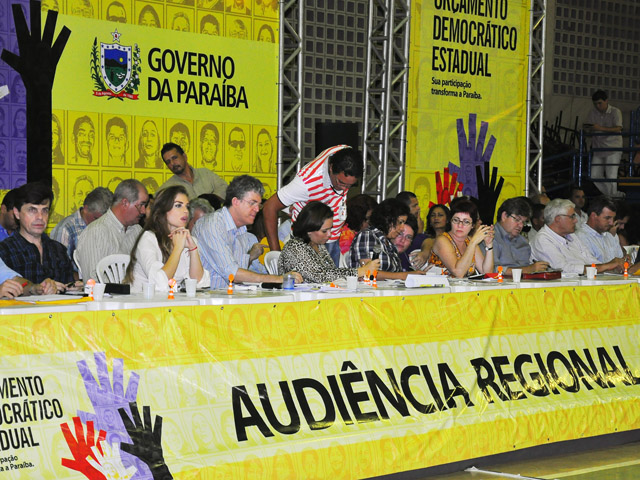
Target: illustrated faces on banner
<point>211,4</point>
<point>81,8</point>
<point>180,19</point>
<point>241,7</point>
<point>82,183</point>
<point>148,15</point>
<point>238,28</point>
<point>83,139</point>
<point>116,135</point>
<point>236,155</point>
<point>266,8</point>
<point>116,12</point>
<point>57,140</point>
<point>265,33</point>
<point>264,150</point>
<point>210,24</point>
<point>149,144</point>
<point>209,145</point>
<point>180,135</point>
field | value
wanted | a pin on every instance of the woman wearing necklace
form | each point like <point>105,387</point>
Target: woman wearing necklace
<point>456,252</point>
<point>307,252</point>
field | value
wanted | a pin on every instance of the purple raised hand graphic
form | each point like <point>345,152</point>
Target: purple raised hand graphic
<point>107,397</point>
<point>471,154</point>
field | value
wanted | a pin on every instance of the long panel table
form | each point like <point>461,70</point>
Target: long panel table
<point>316,384</point>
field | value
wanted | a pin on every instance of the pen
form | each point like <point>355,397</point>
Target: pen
<point>25,284</point>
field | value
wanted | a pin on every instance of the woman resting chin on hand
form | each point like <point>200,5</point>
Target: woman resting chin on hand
<point>457,252</point>
<point>165,248</point>
<point>306,252</point>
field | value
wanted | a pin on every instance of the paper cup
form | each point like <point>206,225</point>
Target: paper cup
<point>98,291</point>
<point>352,283</point>
<point>517,274</point>
<point>190,285</point>
<point>148,290</point>
<point>591,273</point>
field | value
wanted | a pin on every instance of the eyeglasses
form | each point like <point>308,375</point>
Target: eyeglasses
<point>572,217</point>
<point>457,221</point>
<point>251,203</point>
<point>141,206</point>
<point>521,221</point>
<point>237,143</point>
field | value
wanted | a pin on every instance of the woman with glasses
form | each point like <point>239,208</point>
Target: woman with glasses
<point>386,223</point>
<point>306,251</point>
<point>457,252</point>
<point>165,249</point>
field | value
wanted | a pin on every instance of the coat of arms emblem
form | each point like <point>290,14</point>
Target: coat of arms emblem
<point>115,69</point>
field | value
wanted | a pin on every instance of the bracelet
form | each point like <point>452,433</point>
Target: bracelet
<point>192,249</point>
<point>488,248</point>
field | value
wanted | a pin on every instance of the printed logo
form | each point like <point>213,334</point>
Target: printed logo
<point>115,69</point>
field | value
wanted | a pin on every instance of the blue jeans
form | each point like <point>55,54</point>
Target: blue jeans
<point>334,251</point>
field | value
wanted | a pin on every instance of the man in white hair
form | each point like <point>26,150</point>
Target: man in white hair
<point>556,243</point>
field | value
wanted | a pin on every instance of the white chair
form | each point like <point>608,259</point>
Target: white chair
<point>77,262</point>
<point>112,268</point>
<point>271,262</point>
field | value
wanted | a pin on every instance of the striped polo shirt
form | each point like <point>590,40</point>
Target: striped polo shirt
<point>313,183</point>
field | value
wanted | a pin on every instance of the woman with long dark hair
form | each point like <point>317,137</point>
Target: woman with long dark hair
<point>165,248</point>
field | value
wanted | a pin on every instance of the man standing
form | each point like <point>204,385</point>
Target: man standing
<point>411,201</point>
<point>8,223</point>
<point>227,247</point>
<point>95,205</point>
<point>195,180</point>
<point>30,252</point>
<point>116,231</point>
<point>327,178</point>
<point>510,249</point>
<point>595,235</point>
<point>556,244</point>
<point>605,118</point>
<point>576,195</point>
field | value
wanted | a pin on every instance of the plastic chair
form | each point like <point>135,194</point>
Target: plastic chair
<point>77,262</point>
<point>112,268</point>
<point>271,262</point>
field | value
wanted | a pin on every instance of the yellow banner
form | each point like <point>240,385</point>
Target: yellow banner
<point>349,387</point>
<point>467,93</point>
<point>123,90</point>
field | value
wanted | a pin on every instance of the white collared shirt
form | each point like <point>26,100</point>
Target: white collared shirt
<point>565,253</point>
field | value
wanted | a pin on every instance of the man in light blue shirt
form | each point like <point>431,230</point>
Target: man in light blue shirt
<point>595,233</point>
<point>10,282</point>
<point>226,246</point>
<point>511,250</point>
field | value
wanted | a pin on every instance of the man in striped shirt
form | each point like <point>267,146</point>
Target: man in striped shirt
<point>326,179</point>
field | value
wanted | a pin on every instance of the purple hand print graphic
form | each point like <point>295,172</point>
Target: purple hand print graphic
<point>471,154</point>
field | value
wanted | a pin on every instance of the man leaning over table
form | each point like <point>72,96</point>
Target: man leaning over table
<point>557,244</point>
<point>227,247</point>
<point>30,252</point>
<point>510,249</point>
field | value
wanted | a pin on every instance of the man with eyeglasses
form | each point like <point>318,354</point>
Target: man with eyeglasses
<point>195,180</point>
<point>116,231</point>
<point>595,233</point>
<point>327,179</point>
<point>227,247</point>
<point>510,249</point>
<point>557,244</point>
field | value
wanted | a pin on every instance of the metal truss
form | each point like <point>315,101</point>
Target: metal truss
<point>385,115</point>
<point>535,95</point>
<point>290,90</point>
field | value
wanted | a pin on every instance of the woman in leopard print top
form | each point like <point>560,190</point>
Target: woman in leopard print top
<point>307,252</point>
